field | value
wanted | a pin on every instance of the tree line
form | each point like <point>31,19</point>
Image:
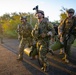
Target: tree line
<point>10,22</point>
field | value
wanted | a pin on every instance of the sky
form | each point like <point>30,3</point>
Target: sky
<point>51,8</point>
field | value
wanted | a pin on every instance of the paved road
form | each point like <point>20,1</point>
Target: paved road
<point>57,66</point>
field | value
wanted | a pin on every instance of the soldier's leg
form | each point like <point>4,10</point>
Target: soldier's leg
<point>19,37</point>
<point>34,50</point>
<point>32,46</point>
<point>66,54</point>
<point>69,43</point>
<point>49,43</point>
<point>62,49</point>
<point>68,50</point>
<point>21,48</point>
<point>42,56</point>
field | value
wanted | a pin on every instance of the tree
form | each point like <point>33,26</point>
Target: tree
<point>10,22</point>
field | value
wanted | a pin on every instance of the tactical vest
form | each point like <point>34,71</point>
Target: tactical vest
<point>25,30</point>
<point>68,23</point>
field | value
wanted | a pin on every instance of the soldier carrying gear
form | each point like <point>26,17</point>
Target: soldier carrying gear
<point>19,29</point>
<point>25,36</point>
<point>41,33</point>
<point>65,30</point>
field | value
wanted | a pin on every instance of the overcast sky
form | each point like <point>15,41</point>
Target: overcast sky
<point>50,7</point>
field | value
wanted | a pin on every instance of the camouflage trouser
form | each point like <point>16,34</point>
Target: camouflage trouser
<point>24,42</point>
<point>62,49</point>
<point>69,43</point>
<point>42,47</point>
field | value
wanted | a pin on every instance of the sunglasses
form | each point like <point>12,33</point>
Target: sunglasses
<point>70,12</point>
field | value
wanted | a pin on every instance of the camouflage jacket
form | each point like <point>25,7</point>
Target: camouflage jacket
<point>24,30</point>
<point>43,27</point>
<point>65,26</point>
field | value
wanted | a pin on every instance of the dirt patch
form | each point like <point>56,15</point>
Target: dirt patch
<point>9,65</point>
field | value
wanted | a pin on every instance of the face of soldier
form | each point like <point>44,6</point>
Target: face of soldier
<point>23,20</point>
<point>39,15</point>
<point>70,14</point>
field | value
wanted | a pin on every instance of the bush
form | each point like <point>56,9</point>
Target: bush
<point>10,34</point>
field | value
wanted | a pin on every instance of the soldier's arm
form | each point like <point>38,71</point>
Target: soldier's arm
<point>18,27</point>
<point>51,29</point>
<point>61,28</point>
<point>34,30</point>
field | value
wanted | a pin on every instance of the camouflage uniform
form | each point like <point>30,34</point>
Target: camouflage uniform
<point>1,34</point>
<point>19,32</point>
<point>26,39</point>
<point>40,33</point>
<point>52,38</point>
<point>64,28</point>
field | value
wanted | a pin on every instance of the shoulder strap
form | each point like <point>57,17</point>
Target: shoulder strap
<point>74,22</point>
<point>64,23</point>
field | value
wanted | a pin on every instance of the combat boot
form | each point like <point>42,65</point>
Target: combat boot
<point>65,59</point>
<point>20,59</point>
<point>45,68</point>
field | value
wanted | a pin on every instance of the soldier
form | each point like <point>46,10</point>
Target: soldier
<point>41,33</point>
<point>25,34</point>
<point>1,34</point>
<point>67,31</point>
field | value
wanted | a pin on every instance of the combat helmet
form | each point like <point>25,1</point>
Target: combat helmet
<point>71,10</point>
<point>40,11</point>
<point>23,17</point>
